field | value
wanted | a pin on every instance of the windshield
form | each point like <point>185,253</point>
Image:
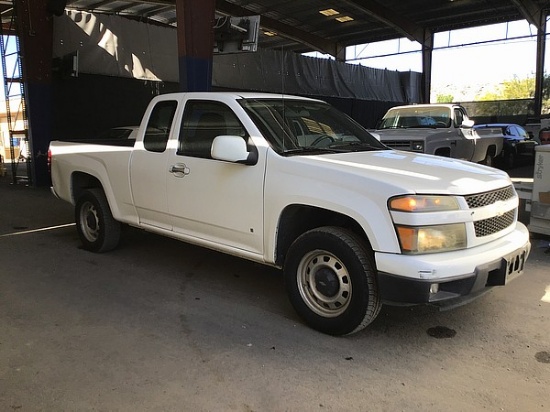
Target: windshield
<point>294,126</point>
<point>417,117</point>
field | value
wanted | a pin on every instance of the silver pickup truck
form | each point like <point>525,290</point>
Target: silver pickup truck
<point>439,129</point>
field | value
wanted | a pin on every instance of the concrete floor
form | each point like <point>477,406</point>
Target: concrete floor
<point>161,325</point>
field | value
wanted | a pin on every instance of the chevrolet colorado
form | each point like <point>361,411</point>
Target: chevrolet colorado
<point>293,183</point>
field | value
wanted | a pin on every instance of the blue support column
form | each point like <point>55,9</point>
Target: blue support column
<point>35,31</point>
<point>195,20</point>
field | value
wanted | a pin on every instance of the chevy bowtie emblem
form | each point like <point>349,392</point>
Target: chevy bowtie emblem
<point>500,208</point>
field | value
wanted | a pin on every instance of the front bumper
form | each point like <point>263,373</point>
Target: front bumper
<point>452,278</point>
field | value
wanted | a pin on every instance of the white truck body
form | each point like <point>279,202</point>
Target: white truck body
<point>439,129</point>
<point>251,197</point>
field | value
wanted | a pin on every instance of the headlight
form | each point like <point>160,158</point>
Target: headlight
<point>422,238</point>
<point>431,239</point>
<point>417,146</point>
<point>414,203</point>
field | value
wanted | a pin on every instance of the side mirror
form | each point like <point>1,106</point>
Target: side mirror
<point>467,124</point>
<point>231,149</point>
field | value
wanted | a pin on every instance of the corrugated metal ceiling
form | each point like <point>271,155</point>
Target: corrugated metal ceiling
<point>299,25</point>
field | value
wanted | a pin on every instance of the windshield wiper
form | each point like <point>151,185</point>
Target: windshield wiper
<point>310,150</point>
<point>355,146</point>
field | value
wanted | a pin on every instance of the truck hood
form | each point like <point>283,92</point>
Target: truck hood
<point>404,172</point>
<point>410,134</point>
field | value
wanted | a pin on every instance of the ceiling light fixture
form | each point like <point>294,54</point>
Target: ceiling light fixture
<point>344,19</point>
<point>329,12</point>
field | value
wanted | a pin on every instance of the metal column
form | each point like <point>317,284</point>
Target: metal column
<point>16,104</point>
<point>35,32</point>
<point>427,59</point>
<point>195,20</point>
<point>539,73</point>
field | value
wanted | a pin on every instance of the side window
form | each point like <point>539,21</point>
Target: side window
<point>459,117</point>
<point>159,125</point>
<point>202,122</point>
<point>522,133</point>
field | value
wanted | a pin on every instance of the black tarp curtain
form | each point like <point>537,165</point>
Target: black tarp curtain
<point>115,46</point>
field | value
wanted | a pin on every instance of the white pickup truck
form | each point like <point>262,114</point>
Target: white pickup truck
<point>439,129</point>
<point>293,183</point>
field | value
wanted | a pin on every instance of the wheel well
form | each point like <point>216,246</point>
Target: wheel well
<point>492,151</point>
<point>444,151</point>
<point>298,219</point>
<point>81,182</point>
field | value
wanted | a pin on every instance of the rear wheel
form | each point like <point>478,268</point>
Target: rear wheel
<point>489,160</point>
<point>97,229</point>
<point>330,278</point>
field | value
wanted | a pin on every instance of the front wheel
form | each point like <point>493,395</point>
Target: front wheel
<point>330,278</point>
<point>97,229</point>
<point>509,160</point>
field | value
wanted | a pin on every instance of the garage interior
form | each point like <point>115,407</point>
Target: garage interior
<point>154,326</point>
<point>69,59</point>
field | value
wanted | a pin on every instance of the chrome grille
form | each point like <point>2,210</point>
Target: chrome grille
<point>488,198</point>
<point>494,224</point>
<point>398,144</point>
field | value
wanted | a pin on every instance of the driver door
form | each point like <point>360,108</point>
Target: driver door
<point>215,201</point>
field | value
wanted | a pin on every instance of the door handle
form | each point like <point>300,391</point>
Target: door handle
<point>179,170</point>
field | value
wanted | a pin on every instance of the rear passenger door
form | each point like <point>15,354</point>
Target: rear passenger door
<point>218,202</point>
<point>148,171</point>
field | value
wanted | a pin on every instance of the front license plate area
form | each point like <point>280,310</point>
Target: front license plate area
<point>510,267</point>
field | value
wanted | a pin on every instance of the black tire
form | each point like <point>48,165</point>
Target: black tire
<point>489,160</point>
<point>509,160</point>
<point>330,278</point>
<point>97,229</point>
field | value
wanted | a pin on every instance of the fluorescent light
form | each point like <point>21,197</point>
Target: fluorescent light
<point>329,12</point>
<point>344,19</point>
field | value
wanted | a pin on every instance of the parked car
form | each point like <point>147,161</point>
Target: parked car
<point>519,145</point>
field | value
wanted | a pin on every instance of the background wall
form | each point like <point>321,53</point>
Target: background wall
<point>107,68</point>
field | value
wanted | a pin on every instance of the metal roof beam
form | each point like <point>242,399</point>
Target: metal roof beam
<point>531,11</point>
<point>315,42</point>
<point>99,4</point>
<point>155,10</point>
<point>397,22</point>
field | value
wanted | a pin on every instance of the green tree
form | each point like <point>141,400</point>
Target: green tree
<point>519,89</point>
<point>546,94</point>
<point>515,88</point>
<point>546,87</point>
<point>445,98</point>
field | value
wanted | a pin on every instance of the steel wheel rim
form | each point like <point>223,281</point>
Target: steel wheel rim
<point>89,222</point>
<point>324,283</point>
